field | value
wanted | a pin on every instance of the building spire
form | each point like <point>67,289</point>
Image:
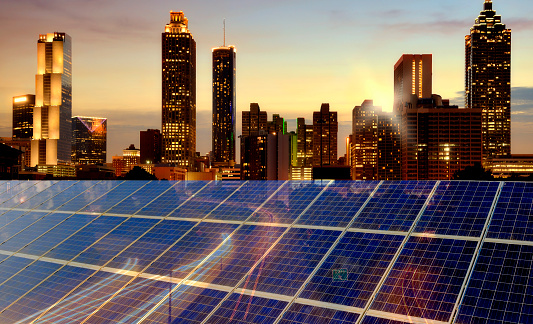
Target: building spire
<point>488,5</point>
<point>224,32</point>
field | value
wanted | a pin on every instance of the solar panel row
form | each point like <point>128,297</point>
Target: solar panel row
<point>265,252</point>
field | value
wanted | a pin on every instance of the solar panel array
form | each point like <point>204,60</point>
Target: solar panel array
<point>266,252</point>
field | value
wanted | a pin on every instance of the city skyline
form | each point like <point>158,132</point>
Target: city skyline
<point>356,59</point>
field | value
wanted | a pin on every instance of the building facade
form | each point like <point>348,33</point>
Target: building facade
<point>52,129</point>
<point>254,120</point>
<point>23,116</point>
<point>325,129</point>
<point>224,106</point>
<point>89,142</point>
<point>150,146</point>
<point>178,93</point>
<point>412,79</point>
<point>488,79</point>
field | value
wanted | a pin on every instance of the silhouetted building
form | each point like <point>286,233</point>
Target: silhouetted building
<point>254,156</point>
<point>23,116</point>
<point>254,120</point>
<point>178,93</point>
<point>89,143</point>
<point>150,146</point>
<point>325,129</point>
<point>52,129</point>
<point>412,79</point>
<point>23,145</point>
<point>488,79</point>
<point>224,108</point>
<point>278,125</point>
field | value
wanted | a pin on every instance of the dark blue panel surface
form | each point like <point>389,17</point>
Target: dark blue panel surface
<point>19,224</point>
<point>291,261</point>
<point>246,309</point>
<point>88,196</point>
<point>45,193</point>
<point>25,192</point>
<point>172,198</point>
<point>9,217</point>
<point>512,219</point>
<point>192,249</point>
<point>141,198</point>
<point>352,271</point>
<point>394,206</point>
<point>151,245</point>
<point>338,204</point>
<point>458,208</point>
<point>426,279</point>
<point>114,196</point>
<point>12,188</point>
<point>500,289</point>
<point>289,202</point>
<point>67,195</point>
<point>377,320</point>
<point>303,314</point>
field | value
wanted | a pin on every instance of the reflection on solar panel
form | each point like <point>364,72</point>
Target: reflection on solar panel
<point>266,252</point>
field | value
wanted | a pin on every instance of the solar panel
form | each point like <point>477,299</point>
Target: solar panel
<point>266,252</point>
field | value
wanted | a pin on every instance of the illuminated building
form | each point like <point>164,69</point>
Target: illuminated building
<point>517,165</point>
<point>89,141</point>
<point>305,143</point>
<point>150,145</point>
<point>412,79</point>
<point>254,156</point>
<point>52,129</point>
<point>278,125</point>
<point>254,120</point>
<point>23,116</point>
<point>224,108</point>
<point>178,93</point>
<point>488,79</point>
<point>375,148</point>
<point>325,129</point>
<point>132,156</point>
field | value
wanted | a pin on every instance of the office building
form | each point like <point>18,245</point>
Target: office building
<point>325,129</point>
<point>514,165</point>
<point>224,106</point>
<point>89,143</point>
<point>254,120</point>
<point>254,156</point>
<point>23,116</point>
<point>52,129</point>
<point>150,146</point>
<point>412,79</point>
<point>178,93</point>
<point>278,125</point>
<point>488,79</point>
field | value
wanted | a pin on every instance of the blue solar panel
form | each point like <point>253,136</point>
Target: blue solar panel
<point>114,196</point>
<point>11,266</point>
<point>27,194</point>
<point>377,320</point>
<point>173,198</point>
<point>394,206</point>
<point>352,271</point>
<point>512,218</point>
<point>291,261</point>
<point>44,195</point>
<point>14,193</point>
<point>20,223</point>
<point>338,204</point>
<point>10,216</point>
<point>426,279</point>
<point>500,289</point>
<point>303,314</point>
<point>67,195</point>
<point>458,208</point>
<point>140,198</point>
<point>89,196</point>
<point>247,309</point>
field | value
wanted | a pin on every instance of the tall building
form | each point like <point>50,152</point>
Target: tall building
<point>325,129</point>
<point>278,125</point>
<point>224,106</point>
<point>178,93</point>
<point>488,79</point>
<point>52,130</point>
<point>89,142</point>
<point>23,116</point>
<point>253,120</point>
<point>412,79</point>
<point>305,143</point>
<point>150,141</point>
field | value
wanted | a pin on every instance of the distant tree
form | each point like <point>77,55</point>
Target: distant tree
<point>138,173</point>
<point>473,172</point>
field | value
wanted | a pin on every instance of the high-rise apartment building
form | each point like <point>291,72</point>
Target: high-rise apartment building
<point>325,129</point>
<point>305,143</point>
<point>412,79</point>
<point>488,79</point>
<point>253,120</point>
<point>278,125</point>
<point>89,143</point>
<point>150,141</point>
<point>52,130</point>
<point>224,106</point>
<point>178,93</point>
<point>23,116</point>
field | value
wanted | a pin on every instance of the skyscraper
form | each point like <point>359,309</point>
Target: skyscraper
<point>224,109</point>
<point>178,93</point>
<point>52,130</point>
<point>325,129</point>
<point>488,79</point>
<point>89,141</point>
<point>23,116</point>
<point>150,140</point>
<point>412,79</point>
<point>253,120</point>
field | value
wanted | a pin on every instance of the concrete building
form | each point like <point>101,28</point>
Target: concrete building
<point>325,129</point>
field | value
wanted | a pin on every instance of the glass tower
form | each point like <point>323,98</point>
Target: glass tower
<point>178,93</point>
<point>23,116</point>
<point>223,148</point>
<point>89,140</point>
<point>488,79</point>
<point>52,130</point>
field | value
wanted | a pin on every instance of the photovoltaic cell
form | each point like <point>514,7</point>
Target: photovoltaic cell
<point>512,219</point>
<point>10,266</point>
<point>19,224</point>
<point>303,314</point>
<point>377,320</point>
<point>458,208</point>
<point>8,217</point>
<point>43,195</point>
<point>139,199</point>
<point>113,196</point>
<point>352,271</point>
<point>16,194</point>
<point>394,206</point>
<point>426,279</point>
<point>67,195</point>
<point>88,196</point>
<point>173,198</point>
<point>500,289</point>
<point>291,261</point>
<point>247,309</point>
<point>338,204</point>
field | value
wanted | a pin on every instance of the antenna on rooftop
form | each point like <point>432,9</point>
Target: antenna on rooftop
<point>224,32</point>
